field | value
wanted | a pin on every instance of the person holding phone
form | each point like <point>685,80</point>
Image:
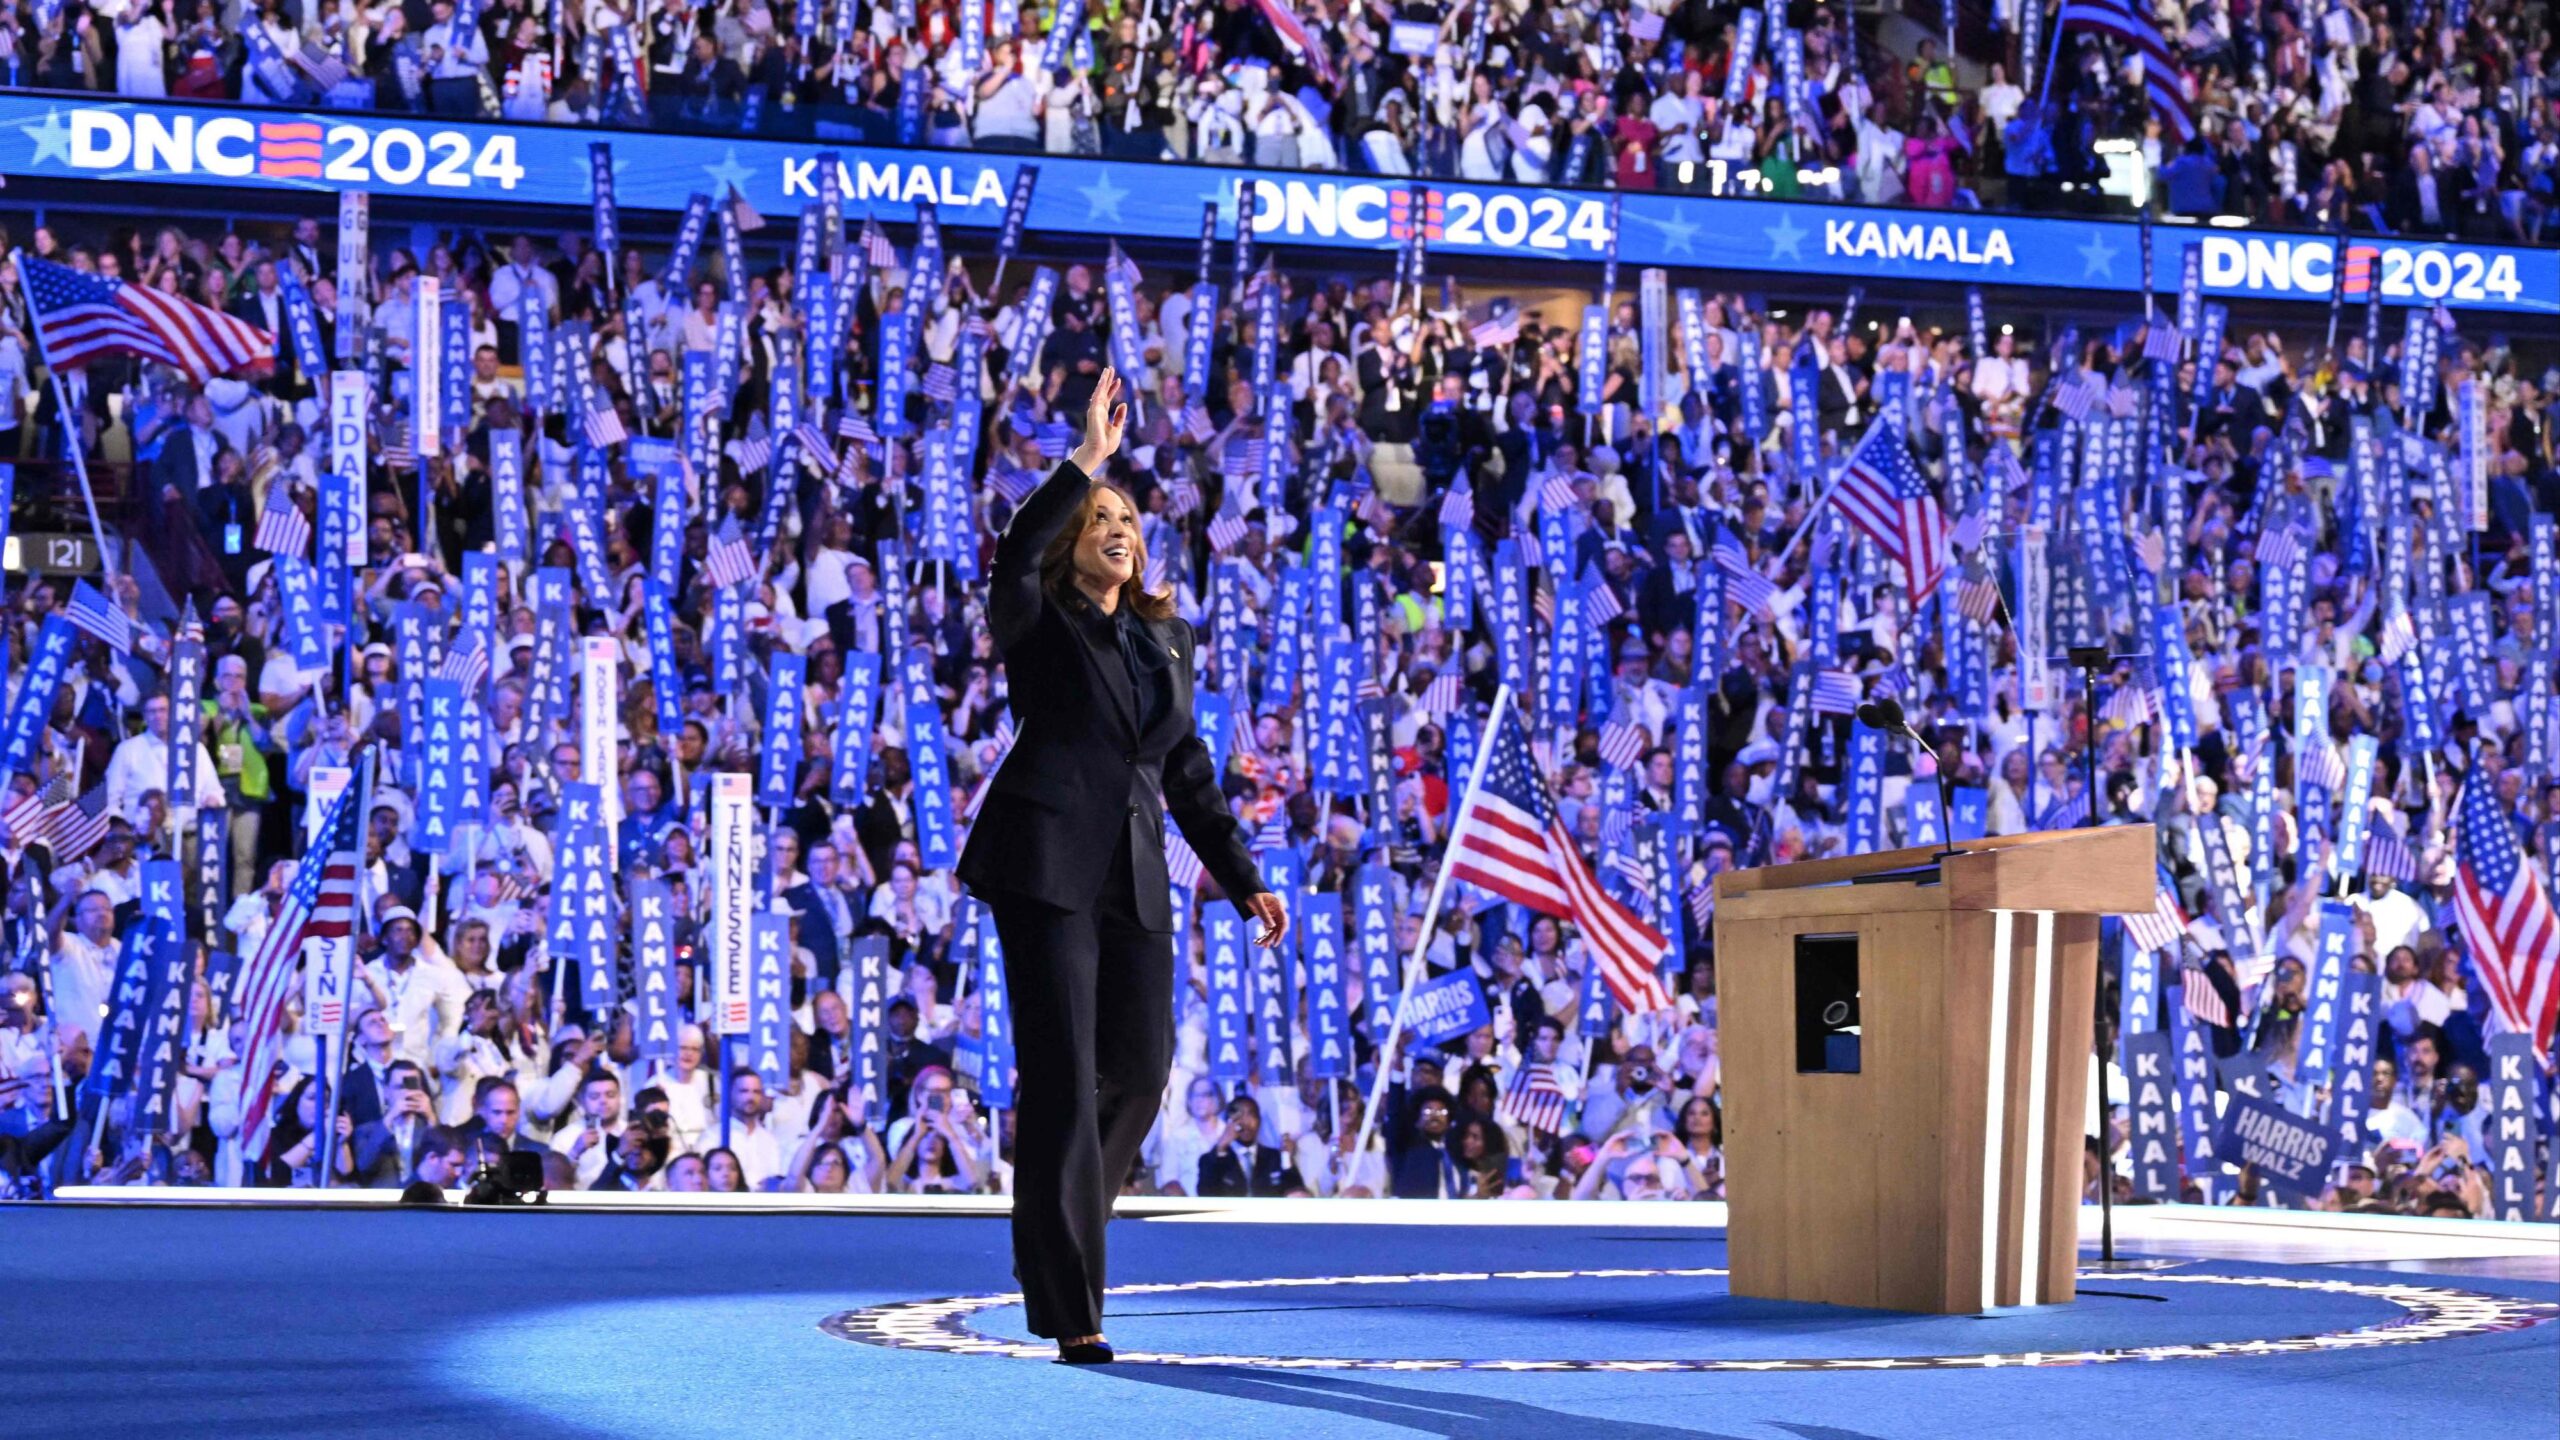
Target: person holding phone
<point>1068,852</point>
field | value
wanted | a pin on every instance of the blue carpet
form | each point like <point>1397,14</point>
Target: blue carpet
<point>132,1324</point>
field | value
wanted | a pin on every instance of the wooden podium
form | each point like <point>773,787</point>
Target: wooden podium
<point>1905,1067</point>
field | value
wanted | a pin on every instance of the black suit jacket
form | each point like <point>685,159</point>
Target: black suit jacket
<point>1081,774</point>
<point>1222,1174</point>
<point>176,465</point>
<point>361,1101</point>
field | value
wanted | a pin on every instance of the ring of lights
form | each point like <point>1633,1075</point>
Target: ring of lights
<point>2429,1313</point>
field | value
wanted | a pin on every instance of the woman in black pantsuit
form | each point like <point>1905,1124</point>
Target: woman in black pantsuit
<point>1068,851</point>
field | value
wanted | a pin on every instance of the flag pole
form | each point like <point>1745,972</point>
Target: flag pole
<point>1430,923</point>
<point>337,1059</point>
<point>74,441</point>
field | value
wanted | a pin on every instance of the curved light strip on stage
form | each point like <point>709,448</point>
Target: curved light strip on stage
<point>2430,1313</point>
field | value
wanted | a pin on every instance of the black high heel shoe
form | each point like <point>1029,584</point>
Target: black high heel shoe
<point>1092,1352</point>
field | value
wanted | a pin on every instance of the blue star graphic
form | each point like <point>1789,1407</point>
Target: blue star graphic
<point>2098,258</point>
<point>1786,239</point>
<point>1102,198</point>
<point>1676,232</point>
<point>726,175</point>
<point>53,138</point>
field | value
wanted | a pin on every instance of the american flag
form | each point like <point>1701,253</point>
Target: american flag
<point>467,665</point>
<point>603,425</point>
<point>876,248</point>
<point>941,383</point>
<point>1293,33</point>
<point>74,829</point>
<point>2199,995</point>
<point>1556,496</point>
<point>1884,494</point>
<point>2386,852</point>
<point>2506,914</point>
<point>24,817</point>
<point>1181,495</point>
<point>729,561</point>
<point>1054,438</point>
<point>326,70</point>
<point>80,317</point>
<point>2162,76</point>
<point>2318,764</point>
<point>1503,329</point>
<point>2398,634</point>
<point>856,426</point>
<point>1181,863</point>
<point>90,610</point>
<point>1195,423</point>
<point>1744,584</point>
<point>1458,508</point>
<point>1510,841</point>
<point>1836,692</point>
<point>815,448</point>
<point>320,904</point>
<point>2165,923</point>
<point>1531,554</point>
<point>2162,340</point>
<point>2077,395</point>
<point>1227,527</point>
<point>1273,833</point>
<point>1542,604</point>
<point>1978,599</point>
<point>1444,694</point>
<point>1702,904</point>
<point>752,452</point>
<point>394,451</point>
<point>1621,745</point>
<point>1600,602</point>
<point>282,527</point>
<point>1242,460</point>
<point>1121,267</point>
<point>2132,705</point>
<point>1013,482</point>
<point>1535,1100</point>
<point>2279,547</point>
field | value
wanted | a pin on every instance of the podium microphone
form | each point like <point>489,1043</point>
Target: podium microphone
<point>1885,713</point>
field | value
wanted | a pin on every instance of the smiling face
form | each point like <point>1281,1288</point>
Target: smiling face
<point>1107,552</point>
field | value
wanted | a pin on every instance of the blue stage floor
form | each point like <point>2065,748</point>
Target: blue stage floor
<point>129,1323</point>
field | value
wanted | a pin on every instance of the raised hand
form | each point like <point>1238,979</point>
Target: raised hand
<point>1106,421</point>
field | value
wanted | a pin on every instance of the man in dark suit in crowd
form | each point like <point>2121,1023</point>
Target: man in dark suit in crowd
<point>2426,199</point>
<point>185,464</point>
<point>369,1069</point>
<point>905,1055</point>
<point>1239,1164</point>
<point>497,1112</point>
<point>263,307</point>
<point>387,1149</point>
<point>1420,1165</point>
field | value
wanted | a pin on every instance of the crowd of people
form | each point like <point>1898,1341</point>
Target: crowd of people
<point>2401,115</point>
<point>1613,537</point>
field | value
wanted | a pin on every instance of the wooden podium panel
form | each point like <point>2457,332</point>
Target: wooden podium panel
<point>1959,1135</point>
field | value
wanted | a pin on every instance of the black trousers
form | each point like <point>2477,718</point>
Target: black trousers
<point>1091,994</point>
